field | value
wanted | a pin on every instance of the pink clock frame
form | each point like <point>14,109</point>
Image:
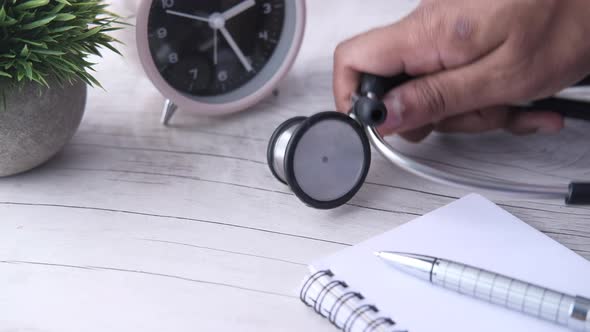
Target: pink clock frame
<point>190,104</point>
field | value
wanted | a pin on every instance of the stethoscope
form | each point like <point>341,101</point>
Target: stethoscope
<point>325,158</point>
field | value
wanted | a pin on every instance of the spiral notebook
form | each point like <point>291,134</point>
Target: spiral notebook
<point>355,291</point>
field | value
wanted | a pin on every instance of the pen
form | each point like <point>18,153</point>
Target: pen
<point>562,309</point>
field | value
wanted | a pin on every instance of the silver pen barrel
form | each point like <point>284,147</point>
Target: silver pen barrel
<point>566,310</point>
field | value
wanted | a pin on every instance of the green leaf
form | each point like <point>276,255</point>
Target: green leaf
<point>25,51</point>
<point>38,77</point>
<point>58,65</point>
<point>28,69</point>
<point>38,23</point>
<point>63,29</point>
<point>5,74</point>
<point>9,21</point>
<point>33,57</point>
<point>90,80</point>
<point>2,14</point>
<point>88,33</point>
<point>57,9</point>
<point>8,65</point>
<point>47,52</point>
<point>3,100</point>
<point>64,17</point>
<point>30,42</point>
<point>31,4</point>
<point>110,47</point>
<point>48,39</point>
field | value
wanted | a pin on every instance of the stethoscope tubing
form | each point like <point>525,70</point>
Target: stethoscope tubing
<point>464,181</point>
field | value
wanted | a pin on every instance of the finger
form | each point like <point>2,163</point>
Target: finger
<point>418,135</point>
<point>443,38</point>
<point>475,122</point>
<point>526,123</point>
<point>516,122</point>
<point>433,98</point>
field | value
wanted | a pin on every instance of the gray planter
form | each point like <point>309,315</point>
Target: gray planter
<point>37,123</point>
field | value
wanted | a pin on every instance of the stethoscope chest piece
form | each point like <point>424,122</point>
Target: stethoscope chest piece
<point>324,159</point>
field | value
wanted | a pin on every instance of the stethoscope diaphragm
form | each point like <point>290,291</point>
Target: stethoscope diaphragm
<point>324,159</point>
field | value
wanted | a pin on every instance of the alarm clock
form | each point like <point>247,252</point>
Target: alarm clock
<point>217,57</point>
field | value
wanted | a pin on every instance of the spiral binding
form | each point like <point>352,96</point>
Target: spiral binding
<point>341,301</point>
<point>347,298</point>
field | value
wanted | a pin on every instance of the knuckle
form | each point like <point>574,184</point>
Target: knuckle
<point>452,35</point>
<point>463,29</point>
<point>430,22</point>
<point>461,41</point>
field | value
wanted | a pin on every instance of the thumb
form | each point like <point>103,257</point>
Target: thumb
<point>430,99</point>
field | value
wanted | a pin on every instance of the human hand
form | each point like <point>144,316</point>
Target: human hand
<point>474,58</point>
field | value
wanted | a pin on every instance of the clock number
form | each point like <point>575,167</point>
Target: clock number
<point>173,58</point>
<point>263,35</point>
<point>266,8</point>
<point>167,4</point>
<point>222,76</point>
<point>162,33</point>
<point>194,73</point>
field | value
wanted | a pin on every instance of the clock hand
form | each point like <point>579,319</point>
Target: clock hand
<point>215,42</point>
<point>236,49</point>
<point>192,17</point>
<point>206,45</point>
<point>211,44</point>
<point>238,9</point>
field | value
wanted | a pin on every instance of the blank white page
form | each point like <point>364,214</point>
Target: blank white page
<point>473,231</point>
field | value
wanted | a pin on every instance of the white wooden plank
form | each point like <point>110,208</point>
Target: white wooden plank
<point>146,272</point>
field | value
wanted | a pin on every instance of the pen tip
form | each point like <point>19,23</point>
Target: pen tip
<point>377,253</point>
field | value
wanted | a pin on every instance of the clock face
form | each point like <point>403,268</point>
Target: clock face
<point>213,47</point>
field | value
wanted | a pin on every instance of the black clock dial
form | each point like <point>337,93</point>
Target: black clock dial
<point>212,47</point>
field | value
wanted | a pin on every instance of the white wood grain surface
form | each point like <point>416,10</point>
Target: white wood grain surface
<point>138,227</point>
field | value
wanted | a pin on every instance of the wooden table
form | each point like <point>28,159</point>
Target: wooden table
<point>139,227</point>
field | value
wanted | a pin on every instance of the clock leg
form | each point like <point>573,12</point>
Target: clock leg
<point>168,113</point>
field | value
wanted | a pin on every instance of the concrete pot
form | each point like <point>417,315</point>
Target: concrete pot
<point>37,123</point>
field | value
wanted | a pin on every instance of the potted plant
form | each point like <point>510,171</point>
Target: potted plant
<point>45,68</point>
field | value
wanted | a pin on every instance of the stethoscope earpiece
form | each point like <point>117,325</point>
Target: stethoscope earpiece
<point>369,111</point>
<point>324,159</point>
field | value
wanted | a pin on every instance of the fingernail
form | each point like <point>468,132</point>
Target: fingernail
<point>395,111</point>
